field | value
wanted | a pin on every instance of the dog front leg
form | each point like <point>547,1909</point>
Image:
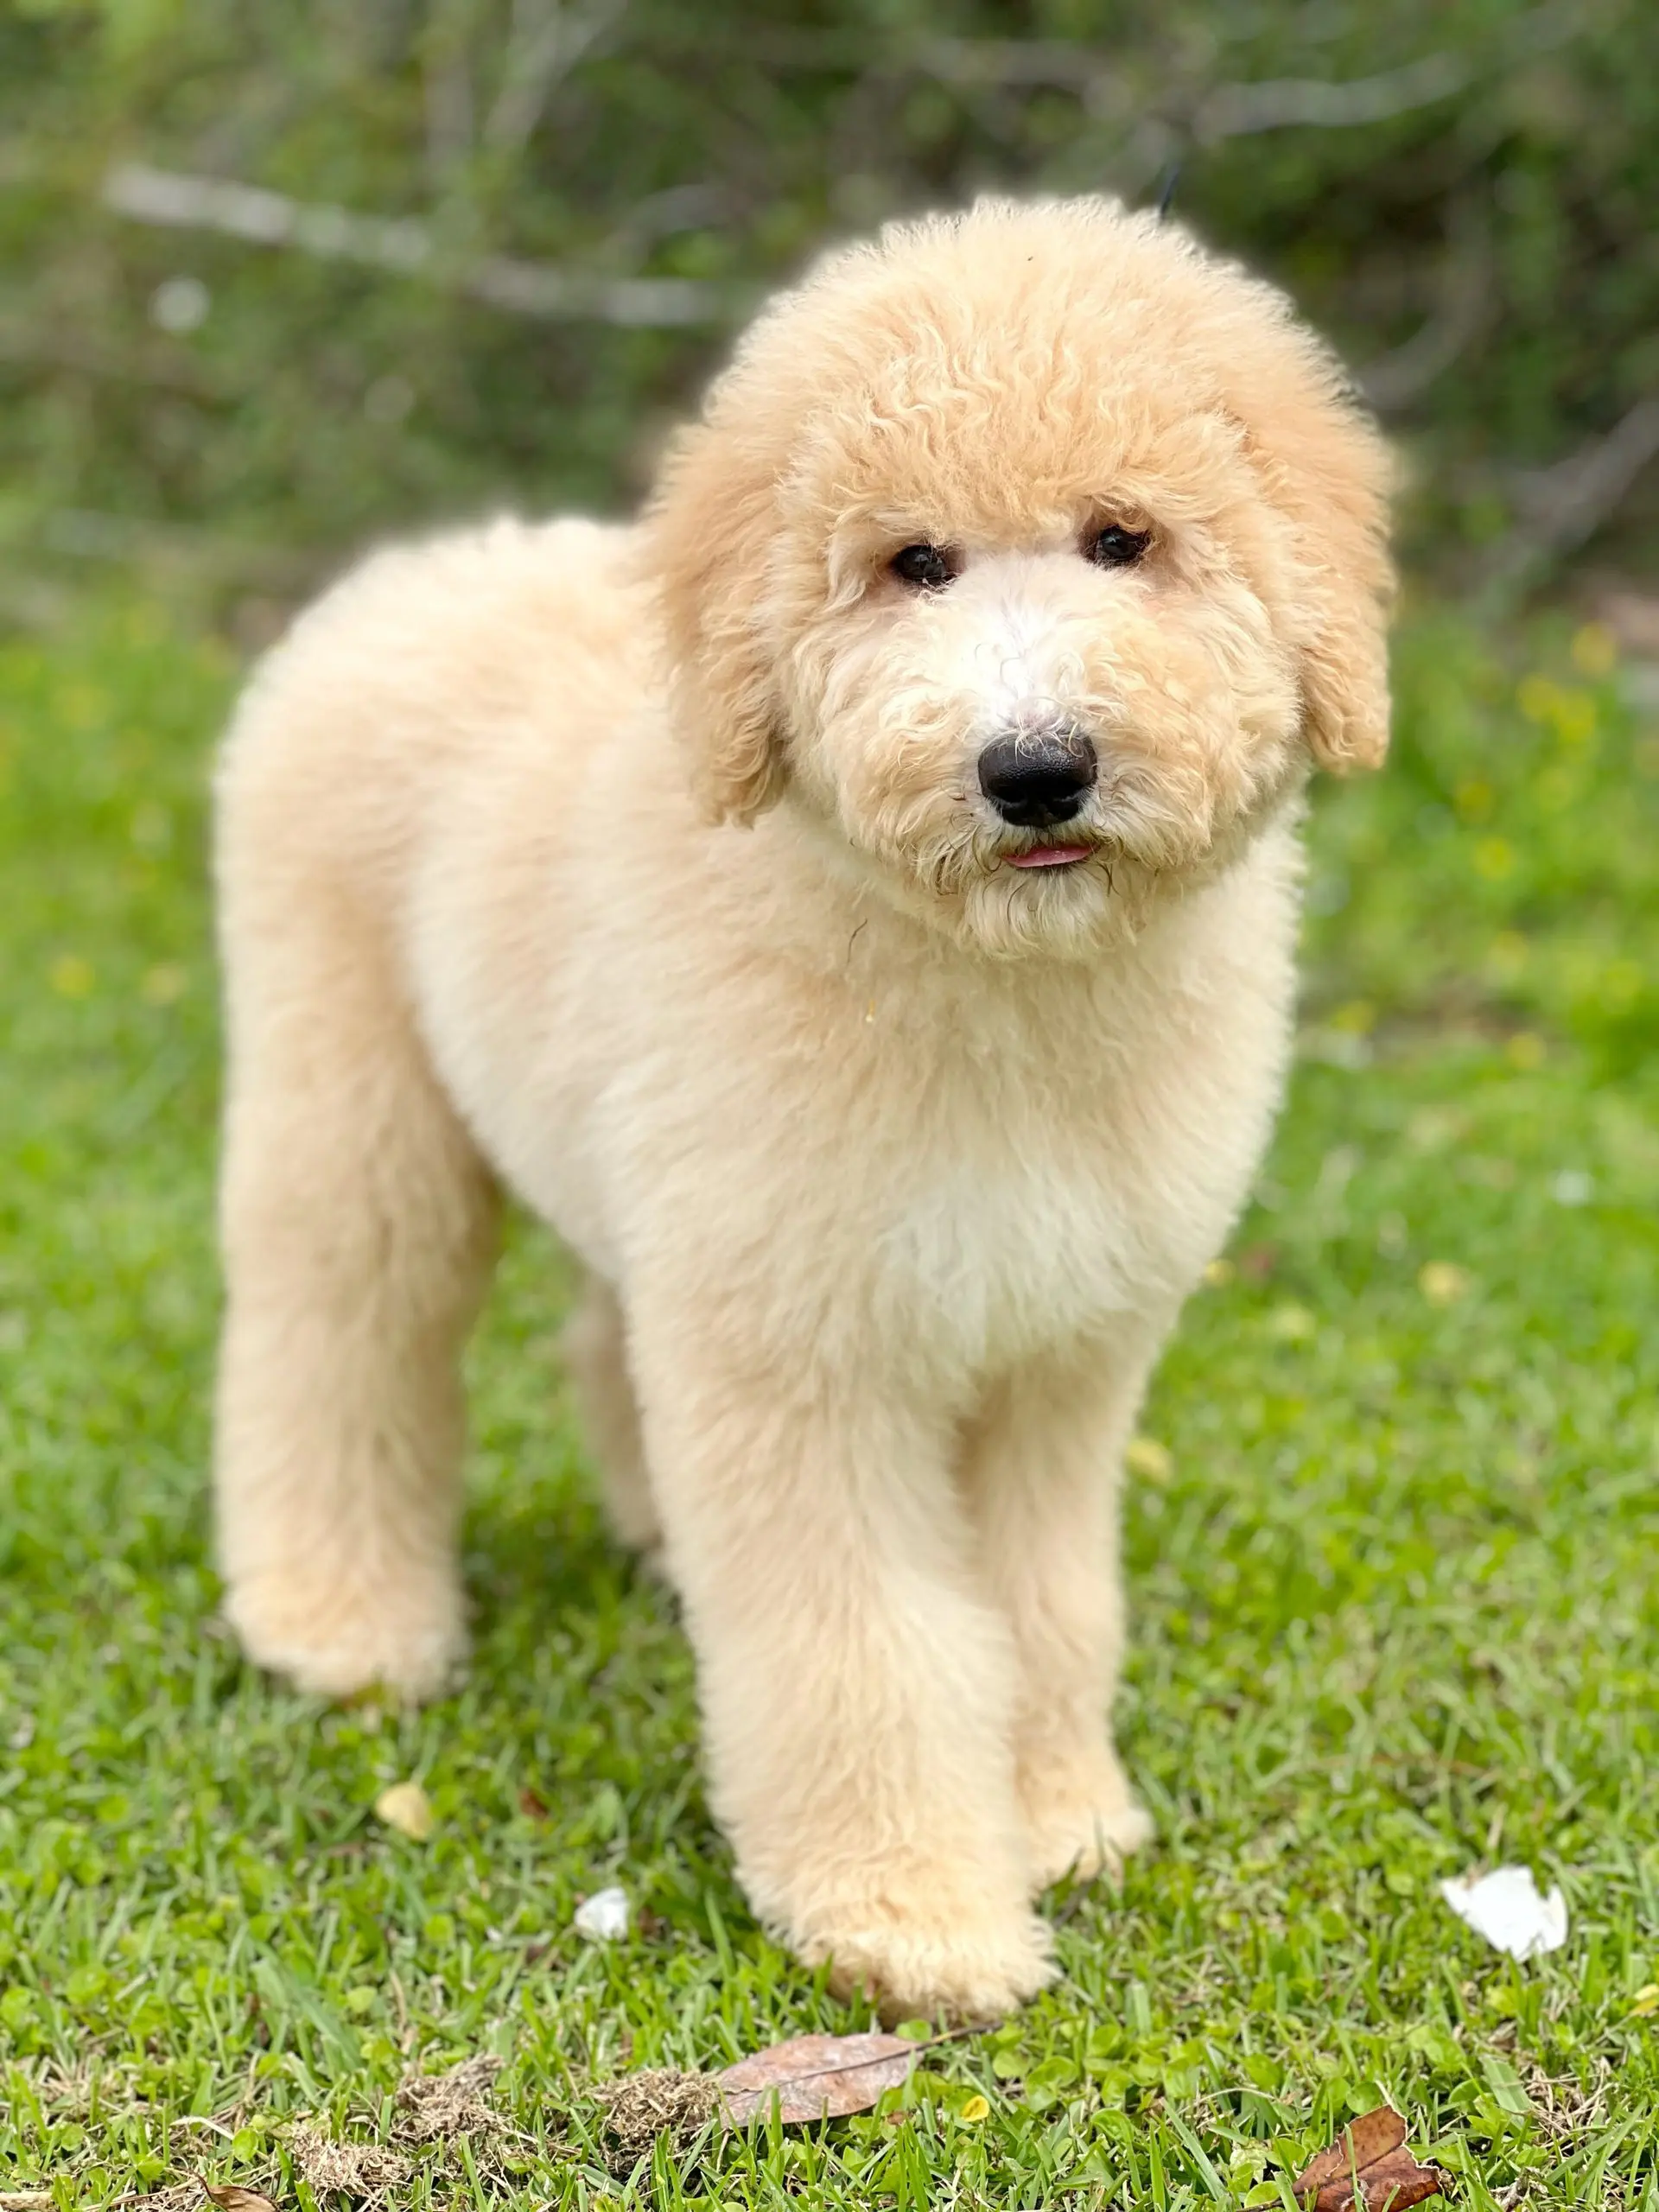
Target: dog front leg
<point>856,1690</point>
<point>1042,1470</point>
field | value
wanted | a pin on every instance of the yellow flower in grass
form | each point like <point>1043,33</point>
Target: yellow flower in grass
<point>1535,696</point>
<point>1494,858</point>
<point>1595,650</point>
<point>164,984</point>
<point>1148,1459</point>
<point>72,977</point>
<point>1443,1283</point>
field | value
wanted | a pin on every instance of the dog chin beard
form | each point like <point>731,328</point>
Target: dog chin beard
<point>1063,914</point>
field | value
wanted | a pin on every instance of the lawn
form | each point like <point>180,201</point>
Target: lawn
<point>1392,1542</point>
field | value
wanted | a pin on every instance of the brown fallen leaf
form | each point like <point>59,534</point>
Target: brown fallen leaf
<point>814,2077</point>
<point>1368,2165</point>
<point>230,2198</point>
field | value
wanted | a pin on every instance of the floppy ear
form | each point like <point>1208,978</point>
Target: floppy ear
<point>712,527</point>
<point>1325,468</point>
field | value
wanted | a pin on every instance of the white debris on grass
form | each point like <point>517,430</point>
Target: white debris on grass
<point>604,1916</point>
<point>1505,1907</point>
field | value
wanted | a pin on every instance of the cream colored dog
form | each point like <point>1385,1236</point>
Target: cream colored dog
<point>856,908</point>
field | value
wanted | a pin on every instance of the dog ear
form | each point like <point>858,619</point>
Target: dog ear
<point>1327,471</point>
<point>708,536</point>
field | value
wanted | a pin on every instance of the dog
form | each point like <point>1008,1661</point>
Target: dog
<point>856,905</point>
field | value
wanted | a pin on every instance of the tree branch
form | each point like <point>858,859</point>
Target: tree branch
<point>1280,103</point>
<point>408,248</point>
<point>546,44</point>
<point>1465,286</point>
<point>1564,506</point>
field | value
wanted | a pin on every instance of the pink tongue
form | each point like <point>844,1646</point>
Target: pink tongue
<point>1050,856</point>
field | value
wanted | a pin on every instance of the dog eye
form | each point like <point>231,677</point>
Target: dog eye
<point>1115,547</point>
<point>924,565</point>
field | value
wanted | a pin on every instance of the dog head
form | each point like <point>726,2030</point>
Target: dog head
<point>1035,553</point>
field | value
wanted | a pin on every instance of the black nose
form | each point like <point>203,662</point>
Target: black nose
<point>1036,780</point>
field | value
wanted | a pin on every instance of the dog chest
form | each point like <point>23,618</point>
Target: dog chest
<point>988,1266</point>
<point>988,1260</point>
<point>1097,1196</point>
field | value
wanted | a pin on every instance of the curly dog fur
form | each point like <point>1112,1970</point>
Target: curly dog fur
<point>657,874</point>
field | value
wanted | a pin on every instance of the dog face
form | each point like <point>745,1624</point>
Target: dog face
<point>1033,554</point>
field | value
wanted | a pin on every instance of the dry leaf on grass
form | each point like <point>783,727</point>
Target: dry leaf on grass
<point>1368,2165</point>
<point>230,2198</point>
<point>353,2169</point>
<point>810,2077</point>
<point>435,2107</point>
<point>406,1808</point>
<point>814,2077</point>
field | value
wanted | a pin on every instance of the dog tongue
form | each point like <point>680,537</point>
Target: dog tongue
<point>1051,857</point>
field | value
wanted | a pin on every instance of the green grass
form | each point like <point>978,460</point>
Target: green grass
<point>1394,1595</point>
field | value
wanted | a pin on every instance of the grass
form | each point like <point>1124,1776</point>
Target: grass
<point>1394,1575</point>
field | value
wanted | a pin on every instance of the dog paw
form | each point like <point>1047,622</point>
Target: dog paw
<point>1082,1823</point>
<point>409,1641</point>
<point>931,1966</point>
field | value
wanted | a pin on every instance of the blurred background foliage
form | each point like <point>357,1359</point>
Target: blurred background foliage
<point>275,278</point>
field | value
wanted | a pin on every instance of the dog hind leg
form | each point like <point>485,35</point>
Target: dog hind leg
<point>358,1226</point>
